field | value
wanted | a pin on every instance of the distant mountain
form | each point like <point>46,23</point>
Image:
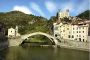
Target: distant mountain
<point>84,15</point>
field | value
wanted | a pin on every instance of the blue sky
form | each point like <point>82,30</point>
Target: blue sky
<point>45,8</point>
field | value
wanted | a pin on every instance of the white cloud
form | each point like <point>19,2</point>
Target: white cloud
<point>51,6</point>
<point>24,9</point>
<point>35,7</point>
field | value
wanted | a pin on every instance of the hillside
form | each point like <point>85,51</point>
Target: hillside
<point>84,15</point>
<point>26,23</point>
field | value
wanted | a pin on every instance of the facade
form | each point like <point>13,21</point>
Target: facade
<point>13,32</point>
<point>71,31</point>
<point>62,14</point>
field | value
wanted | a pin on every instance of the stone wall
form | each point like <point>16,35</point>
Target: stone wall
<point>75,44</point>
<point>14,41</point>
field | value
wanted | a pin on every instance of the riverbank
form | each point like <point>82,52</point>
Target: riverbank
<point>67,47</point>
<point>77,45</point>
<point>75,48</point>
<point>56,46</point>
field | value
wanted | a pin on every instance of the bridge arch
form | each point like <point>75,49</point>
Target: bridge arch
<point>51,38</point>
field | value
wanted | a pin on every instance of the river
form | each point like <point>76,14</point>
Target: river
<point>42,53</point>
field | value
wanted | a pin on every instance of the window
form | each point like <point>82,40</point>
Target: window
<point>73,28</point>
<point>77,35</point>
<point>72,36</point>
<point>67,28</point>
<point>68,36</point>
<point>83,31</point>
<point>79,39</point>
<point>55,35</point>
<point>83,27</point>
<point>79,31</point>
<point>83,40</point>
<point>11,31</point>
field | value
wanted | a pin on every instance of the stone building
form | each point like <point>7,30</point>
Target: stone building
<point>13,32</point>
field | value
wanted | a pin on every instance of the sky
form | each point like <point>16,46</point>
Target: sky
<point>45,8</point>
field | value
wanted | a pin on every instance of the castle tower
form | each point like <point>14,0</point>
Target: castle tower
<point>62,14</point>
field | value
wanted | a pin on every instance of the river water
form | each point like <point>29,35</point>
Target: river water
<point>42,53</point>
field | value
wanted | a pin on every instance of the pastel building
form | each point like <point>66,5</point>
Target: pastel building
<point>71,31</point>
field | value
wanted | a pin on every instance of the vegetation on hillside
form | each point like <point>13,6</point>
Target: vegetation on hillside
<point>26,23</point>
<point>31,23</point>
<point>84,15</point>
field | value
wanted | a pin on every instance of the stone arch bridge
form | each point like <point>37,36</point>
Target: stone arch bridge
<point>18,41</point>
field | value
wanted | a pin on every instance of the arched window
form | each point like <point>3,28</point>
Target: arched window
<point>55,35</point>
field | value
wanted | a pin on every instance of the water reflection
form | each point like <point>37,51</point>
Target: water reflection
<point>37,53</point>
